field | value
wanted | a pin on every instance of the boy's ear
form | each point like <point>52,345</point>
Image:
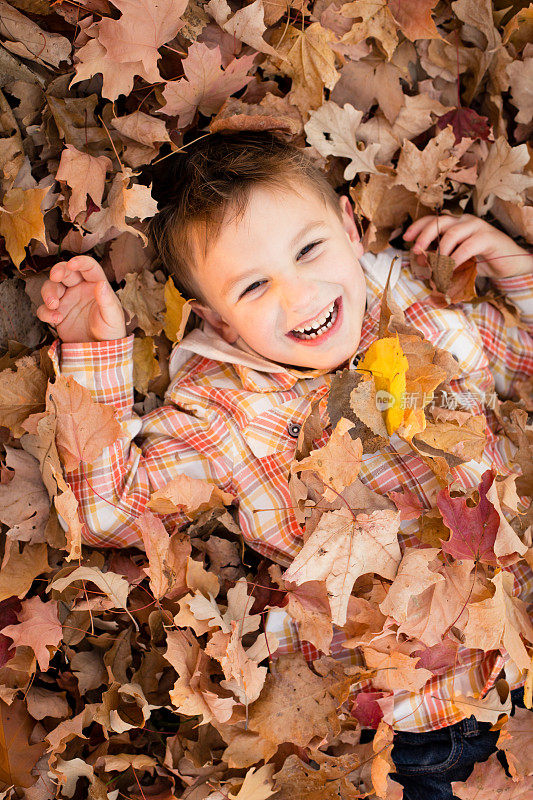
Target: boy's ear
<point>350,226</point>
<point>226,331</point>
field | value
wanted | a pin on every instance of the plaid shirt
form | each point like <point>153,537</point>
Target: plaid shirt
<point>231,417</point>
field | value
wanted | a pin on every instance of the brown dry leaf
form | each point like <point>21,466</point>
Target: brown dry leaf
<point>84,428</point>
<point>66,504</point>
<point>247,24</point>
<point>17,755</point>
<point>296,704</point>
<point>516,740</point>
<point>500,621</point>
<point>19,570</point>
<point>85,175</point>
<point>488,780</point>
<point>373,19</point>
<point>337,463</point>
<point>414,18</point>
<point>333,131</point>
<point>425,172</point>
<point>206,84</point>
<point>308,60</point>
<point>191,495</point>
<point>297,780</point>
<point>123,202</point>
<point>486,709</point>
<point>167,557</point>
<point>395,671</point>
<point>143,297</point>
<point>244,677</point>
<point>464,439</point>
<point>38,627</point>
<point>21,220</point>
<point>194,693</point>
<point>177,312</point>
<point>145,364</point>
<point>271,113</point>
<point>114,586</point>
<point>309,608</point>
<point>343,546</point>
<point>501,175</point>
<point>24,501</point>
<point>22,392</point>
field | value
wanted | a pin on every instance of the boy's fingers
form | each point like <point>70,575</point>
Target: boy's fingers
<point>60,273</point>
<point>415,227</point>
<point>87,267</point>
<point>47,315</point>
<point>435,228</point>
<point>52,292</point>
<point>454,235</point>
<point>473,246</point>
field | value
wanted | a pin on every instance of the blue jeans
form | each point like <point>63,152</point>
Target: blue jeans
<point>427,763</point>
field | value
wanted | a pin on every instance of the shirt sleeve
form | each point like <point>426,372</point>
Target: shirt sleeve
<point>112,491</point>
<point>508,348</point>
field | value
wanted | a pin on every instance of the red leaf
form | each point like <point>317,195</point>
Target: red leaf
<point>465,122</point>
<point>473,529</point>
<point>367,710</point>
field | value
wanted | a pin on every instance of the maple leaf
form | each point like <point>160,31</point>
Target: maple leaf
<point>24,501</point>
<point>84,428</point>
<point>143,297</point>
<point>500,621</point>
<point>297,704</point>
<point>473,529</point>
<point>343,546</point>
<point>38,627</point>
<point>85,174</point>
<point>307,58</point>
<point>488,780</point>
<point>247,24</point>
<point>465,122</point>
<point>22,392</point>
<point>20,569</point>
<point>521,78</point>
<point>123,202</point>
<point>177,312</point>
<point>194,692</point>
<point>388,365</point>
<point>517,743</point>
<point>111,584</point>
<point>191,495</point>
<point>337,463</point>
<point>17,756</point>
<point>298,780</point>
<point>22,220</point>
<point>167,557</point>
<point>145,364</point>
<point>425,172</point>
<point>414,18</point>
<point>244,676</point>
<point>395,671</point>
<point>376,22</point>
<point>206,84</point>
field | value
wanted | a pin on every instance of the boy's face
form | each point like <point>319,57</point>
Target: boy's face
<point>288,263</point>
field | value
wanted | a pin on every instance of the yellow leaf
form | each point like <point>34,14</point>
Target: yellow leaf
<point>387,363</point>
<point>21,220</point>
<point>177,312</point>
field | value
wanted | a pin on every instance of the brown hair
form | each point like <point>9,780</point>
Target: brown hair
<point>212,176</point>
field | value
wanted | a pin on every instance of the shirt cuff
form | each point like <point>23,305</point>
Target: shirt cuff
<point>104,368</point>
<point>519,289</point>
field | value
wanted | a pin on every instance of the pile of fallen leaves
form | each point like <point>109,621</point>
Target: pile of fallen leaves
<point>148,674</point>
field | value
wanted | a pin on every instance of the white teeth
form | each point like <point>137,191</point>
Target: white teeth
<point>317,323</point>
<point>312,333</point>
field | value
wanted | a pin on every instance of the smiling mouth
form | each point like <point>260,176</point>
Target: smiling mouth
<point>322,325</point>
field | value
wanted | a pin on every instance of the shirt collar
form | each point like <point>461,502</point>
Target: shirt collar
<point>260,374</point>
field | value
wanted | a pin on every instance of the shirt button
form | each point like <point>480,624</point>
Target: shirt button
<point>293,429</point>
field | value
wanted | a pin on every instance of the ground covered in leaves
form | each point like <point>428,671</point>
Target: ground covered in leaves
<point>131,674</point>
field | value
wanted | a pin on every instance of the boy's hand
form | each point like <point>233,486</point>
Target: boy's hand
<point>80,303</point>
<point>465,237</point>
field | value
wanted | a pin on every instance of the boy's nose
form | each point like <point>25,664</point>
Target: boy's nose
<point>299,298</point>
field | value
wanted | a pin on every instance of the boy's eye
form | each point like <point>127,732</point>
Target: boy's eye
<point>303,252</point>
<point>251,287</point>
<point>307,249</point>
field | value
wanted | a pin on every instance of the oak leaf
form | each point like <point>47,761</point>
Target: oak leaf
<point>333,131</point>
<point>501,175</point>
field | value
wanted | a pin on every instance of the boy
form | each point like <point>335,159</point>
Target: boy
<point>273,259</point>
